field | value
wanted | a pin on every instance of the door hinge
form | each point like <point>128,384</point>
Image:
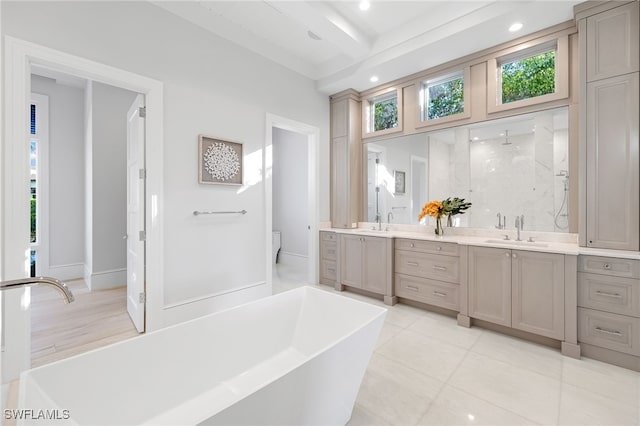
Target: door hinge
<point>143,236</point>
<point>142,173</point>
<point>142,297</point>
<point>142,112</point>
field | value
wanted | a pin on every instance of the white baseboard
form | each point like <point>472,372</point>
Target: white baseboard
<point>67,272</point>
<point>292,259</point>
<point>107,279</point>
<point>197,307</point>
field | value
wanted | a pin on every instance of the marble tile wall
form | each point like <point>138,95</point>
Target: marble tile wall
<point>521,176</point>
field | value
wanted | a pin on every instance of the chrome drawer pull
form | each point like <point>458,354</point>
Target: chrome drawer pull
<point>614,333</point>
<point>439,248</point>
<point>414,288</point>
<point>607,266</point>
<point>412,245</point>
<point>439,294</point>
<point>439,268</point>
<point>412,263</point>
<point>604,293</point>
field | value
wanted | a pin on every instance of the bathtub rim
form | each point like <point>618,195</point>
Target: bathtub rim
<point>378,313</point>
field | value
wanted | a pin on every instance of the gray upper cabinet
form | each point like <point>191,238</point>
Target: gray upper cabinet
<point>490,284</point>
<point>538,293</point>
<point>612,42</point>
<point>610,171</point>
<point>613,175</point>
<point>346,161</point>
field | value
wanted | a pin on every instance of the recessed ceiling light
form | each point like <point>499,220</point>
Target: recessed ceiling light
<point>373,78</point>
<point>365,5</point>
<point>516,26</point>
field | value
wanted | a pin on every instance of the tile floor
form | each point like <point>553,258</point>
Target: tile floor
<point>427,370</point>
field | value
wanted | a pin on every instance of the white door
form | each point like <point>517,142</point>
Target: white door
<point>135,213</point>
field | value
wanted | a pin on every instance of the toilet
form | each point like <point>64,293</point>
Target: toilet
<point>275,239</point>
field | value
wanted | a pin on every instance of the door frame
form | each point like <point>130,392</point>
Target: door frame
<point>19,56</point>
<point>313,137</point>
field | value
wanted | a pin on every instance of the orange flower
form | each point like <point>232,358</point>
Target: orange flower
<point>432,208</point>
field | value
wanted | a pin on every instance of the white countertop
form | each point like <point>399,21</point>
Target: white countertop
<point>493,239</point>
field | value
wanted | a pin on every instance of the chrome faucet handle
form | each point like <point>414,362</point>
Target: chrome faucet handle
<point>521,221</point>
<point>531,240</point>
<point>506,237</point>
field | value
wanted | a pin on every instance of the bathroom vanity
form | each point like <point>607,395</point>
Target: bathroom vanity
<point>578,299</point>
<point>567,160</point>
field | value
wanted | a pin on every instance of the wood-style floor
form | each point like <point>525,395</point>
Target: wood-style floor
<point>95,319</point>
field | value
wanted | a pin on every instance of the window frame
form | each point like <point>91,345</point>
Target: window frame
<point>524,51</point>
<point>443,77</point>
<point>368,111</point>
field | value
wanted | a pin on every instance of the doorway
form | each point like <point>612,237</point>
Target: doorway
<point>292,153</point>
<point>290,248</point>
<point>79,185</point>
<point>22,56</point>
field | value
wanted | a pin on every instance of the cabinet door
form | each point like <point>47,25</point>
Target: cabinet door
<point>375,264</point>
<point>612,42</point>
<point>538,293</point>
<point>351,260</point>
<point>490,284</point>
<point>613,174</point>
<point>340,183</point>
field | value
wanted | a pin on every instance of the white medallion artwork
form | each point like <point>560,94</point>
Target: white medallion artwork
<point>220,161</point>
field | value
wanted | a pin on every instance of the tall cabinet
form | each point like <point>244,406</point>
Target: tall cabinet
<point>609,116</point>
<point>346,159</point>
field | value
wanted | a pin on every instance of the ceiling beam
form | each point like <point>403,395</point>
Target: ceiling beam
<point>326,23</point>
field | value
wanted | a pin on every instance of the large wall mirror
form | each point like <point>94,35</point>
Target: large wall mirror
<point>508,167</point>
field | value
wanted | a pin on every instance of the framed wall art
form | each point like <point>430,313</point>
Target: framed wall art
<point>219,161</point>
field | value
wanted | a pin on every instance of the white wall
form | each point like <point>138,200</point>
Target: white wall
<point>66,177</point>
<point>212,87</point>
<point>109,185</point>
<point>290,193</point>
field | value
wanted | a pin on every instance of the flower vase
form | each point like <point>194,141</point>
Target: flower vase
<point>439,230</point>
<point>449,221</point>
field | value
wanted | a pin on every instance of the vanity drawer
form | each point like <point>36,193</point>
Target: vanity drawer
<point>432,266</point>
<point>328,236</point>
<point>432,292</point>
<point>329,250</point>
<point>328,270</point>
<point>610,294</point>
<point>435,247</point>
<point>612,331</point>
<point>627,268</point>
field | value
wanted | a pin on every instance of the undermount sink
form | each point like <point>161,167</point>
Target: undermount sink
<point>377,231</point>
<point>518,243</point>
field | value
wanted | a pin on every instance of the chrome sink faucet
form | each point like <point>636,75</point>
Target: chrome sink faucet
<point>26,282</point>
<point>389,217</point>
<point>502,224</point>
<point>519,225</point>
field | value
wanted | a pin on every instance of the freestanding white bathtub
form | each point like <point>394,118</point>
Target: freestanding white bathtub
<point>295,358</point>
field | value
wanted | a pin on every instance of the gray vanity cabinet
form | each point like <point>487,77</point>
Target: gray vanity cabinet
<point>365,263</point>
<point>518,289</point>
<point>490,284</point>
<point>537,293</point>
<point>328,257</point>
<point>609,119</point>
